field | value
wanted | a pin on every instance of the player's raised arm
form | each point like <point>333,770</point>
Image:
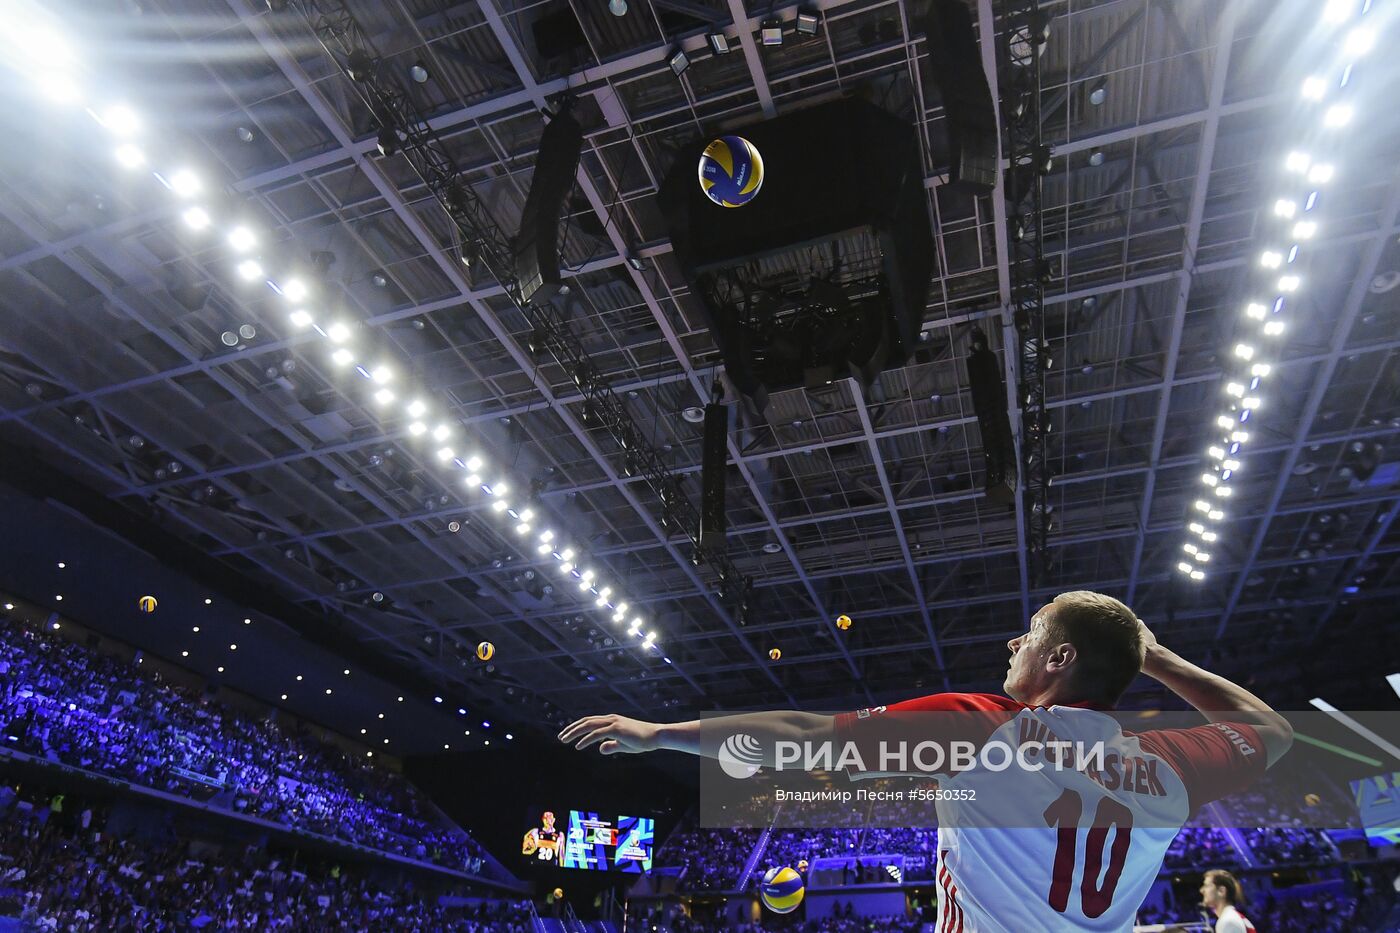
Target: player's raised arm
<point>1218,699</point>
<point>615,734</point>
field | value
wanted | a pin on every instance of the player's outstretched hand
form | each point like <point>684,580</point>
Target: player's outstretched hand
<point>613,734</point>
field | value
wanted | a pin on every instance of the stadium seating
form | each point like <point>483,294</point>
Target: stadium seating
<point>61,869</point>
<point>63,702</point>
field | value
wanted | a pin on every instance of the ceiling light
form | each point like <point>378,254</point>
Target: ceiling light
<point>1202,505</point>
<point>1215,515</point>
<point>339,332</point>
<point>130,156</point>
<point>1338,11</point>
<point>1210,479</point>
<point>121,119</point>
<point>1260,369</point>
<point>185,183</point>
<point>1217,453</point>
<point>1235,389</point>
<point>808,23</point>
<point>1198,575</point>
<point>1338,115</point>
<point>416,408</point>
<point>419,73</point>
<point>221,670</point>
<point>693,414</point>
<point>1244,351</point>
<point>1098,93</point>
<point>678,61</point>
<point>301,318</point>
<point>242,239</point>
<point>1360,41</point>
<point>196,218</point>
<point>343,357</point>
<point>60,88</point>
<point>1273,328</point>
<point>294,290</point>
<point>1270,259</point>
<point>771,32</point>
<point>1321,173</point>
<point>719,42</point>
<point>1255,310</point>
<point>417,429</point>
<point>1304,229</point>
<point>444,454</point>
<point>1209,536</point>
<point>1285,208</point>
<point>442,432</point>
<point>1289,283</point>
<point>1185,567</point>
<point>249,269</point>
<point>1297,161</point>
<point>1096,157</point>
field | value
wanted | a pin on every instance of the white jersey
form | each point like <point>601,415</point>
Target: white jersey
<point>1061,848</point>
<point>1232,921</point>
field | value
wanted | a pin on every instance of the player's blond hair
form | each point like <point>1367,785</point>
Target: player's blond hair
<point>1221,879</point>
<point>1105,634</point>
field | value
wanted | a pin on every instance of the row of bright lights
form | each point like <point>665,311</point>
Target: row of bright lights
<point>1293,226</point>
<point>123,123</point>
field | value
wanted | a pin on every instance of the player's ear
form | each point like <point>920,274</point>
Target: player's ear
<point>1060,656</point>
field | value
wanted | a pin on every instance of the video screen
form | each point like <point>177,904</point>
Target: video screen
<point>1378,802</point>
<point>589,840</point>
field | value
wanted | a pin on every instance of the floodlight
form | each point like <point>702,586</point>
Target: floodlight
<point>808,22</point>
<point>719,42</point>
<point>771,32</point>
<point>678,61</point>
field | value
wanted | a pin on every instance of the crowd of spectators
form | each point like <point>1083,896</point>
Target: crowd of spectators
<point>64,702</point>
<point>1200,845</point>
<point>713,859</point>
<point>61,870</point>
<point>1284,846</point>
<point>790,846</point>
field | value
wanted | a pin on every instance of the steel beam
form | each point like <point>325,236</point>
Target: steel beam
<point>1194,220</point>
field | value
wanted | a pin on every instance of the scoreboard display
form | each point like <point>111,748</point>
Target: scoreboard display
<point>590,840</point>
<point>1378,801</point>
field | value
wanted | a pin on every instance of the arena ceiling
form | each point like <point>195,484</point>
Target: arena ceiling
<point>1164,122</point>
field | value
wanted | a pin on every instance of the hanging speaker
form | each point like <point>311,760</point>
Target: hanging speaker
<point>714,464</point>
<point>993,421</point>
<point>537,245</point>
<point>969,113</point>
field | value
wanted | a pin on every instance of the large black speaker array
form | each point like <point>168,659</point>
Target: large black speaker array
<point>969,113</point>
<point>993,421</point>
<point>537,246</point>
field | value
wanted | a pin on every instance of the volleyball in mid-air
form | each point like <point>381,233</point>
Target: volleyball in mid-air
<point>731,171</point>
<point>775,654</point>
<point>147,603</point>
<point>485,650</point>
<point>843,622</point>
<point>781,890</point>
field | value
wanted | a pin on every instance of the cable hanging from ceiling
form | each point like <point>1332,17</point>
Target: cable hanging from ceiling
<point>201,215</point>
<point>1296,177</point>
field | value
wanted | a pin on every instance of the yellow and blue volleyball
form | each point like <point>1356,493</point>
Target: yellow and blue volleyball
<point>731,171</point>
<point>147,603</point>
<point>485,650</point>
<point>781,890</point>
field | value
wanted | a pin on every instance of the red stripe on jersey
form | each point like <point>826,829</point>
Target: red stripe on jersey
<point>946,925</point>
